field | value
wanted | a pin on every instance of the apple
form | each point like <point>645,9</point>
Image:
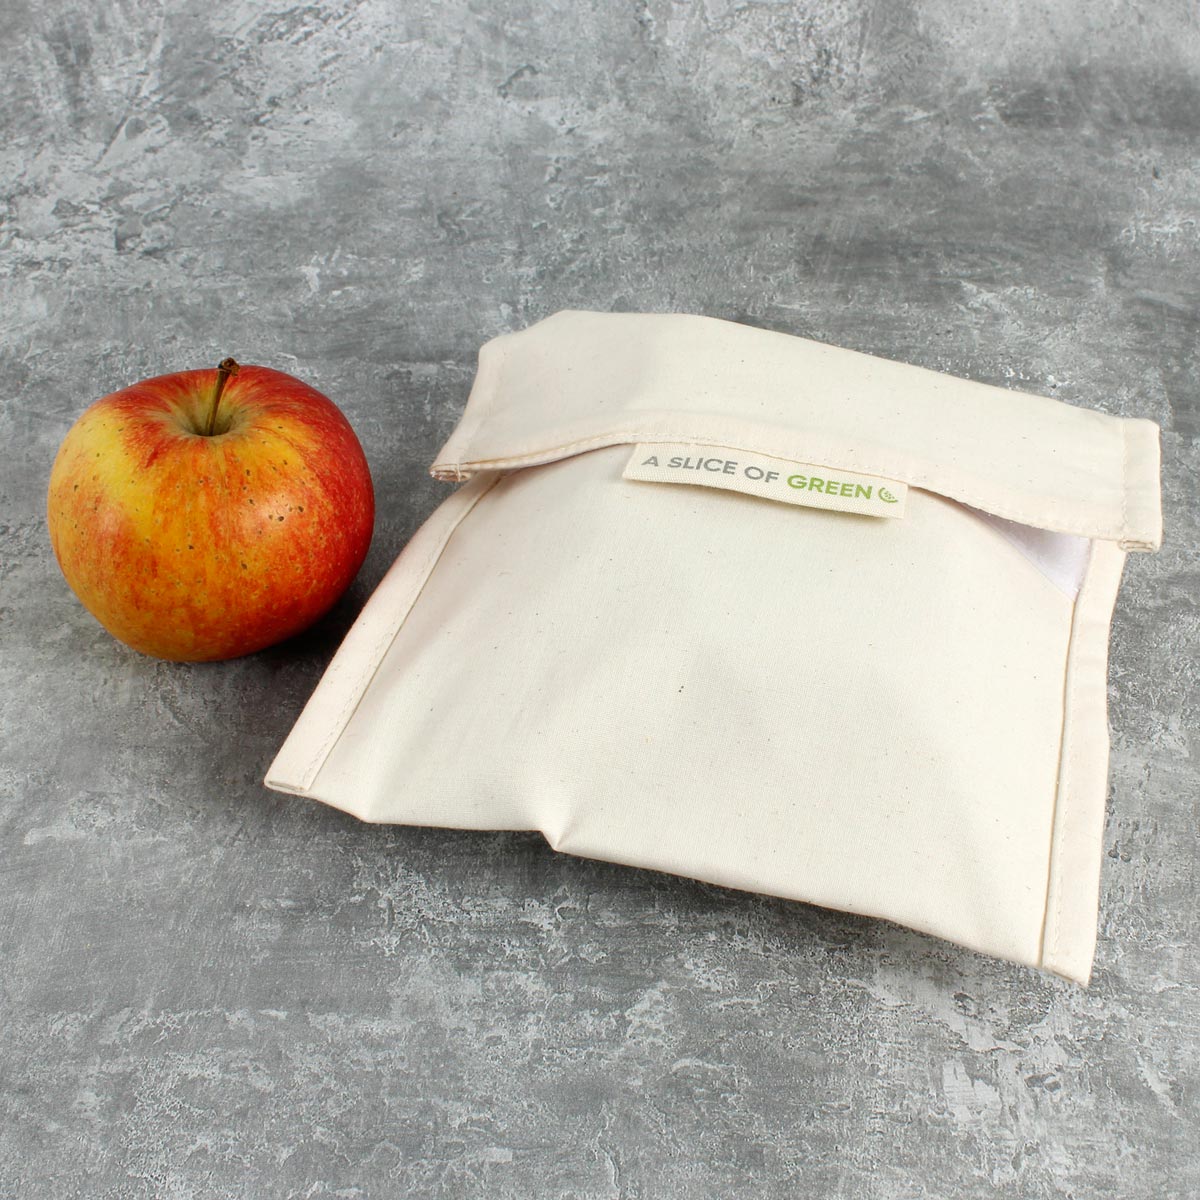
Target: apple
<point>207,514</point>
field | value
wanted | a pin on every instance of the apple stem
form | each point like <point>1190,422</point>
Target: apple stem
<point>225,368</point>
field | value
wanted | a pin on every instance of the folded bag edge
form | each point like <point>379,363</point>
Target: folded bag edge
<point>922,439</point>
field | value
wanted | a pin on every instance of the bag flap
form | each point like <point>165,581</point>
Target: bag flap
<point>578,381</point>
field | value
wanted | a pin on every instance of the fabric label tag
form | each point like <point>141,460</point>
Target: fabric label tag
<point>770,478</point>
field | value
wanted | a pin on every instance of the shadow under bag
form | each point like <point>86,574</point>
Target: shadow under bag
<point>761,611</point>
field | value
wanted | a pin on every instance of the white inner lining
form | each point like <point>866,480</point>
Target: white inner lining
<point>1061,557</point>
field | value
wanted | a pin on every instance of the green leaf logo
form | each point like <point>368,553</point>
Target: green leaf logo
<point>887,496</point>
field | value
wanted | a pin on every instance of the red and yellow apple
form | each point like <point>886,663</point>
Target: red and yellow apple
<point>208,514</point>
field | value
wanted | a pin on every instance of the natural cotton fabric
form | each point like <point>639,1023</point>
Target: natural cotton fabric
<point>902,718</point>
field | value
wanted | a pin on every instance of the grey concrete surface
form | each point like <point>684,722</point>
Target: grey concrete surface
<point>208,990</point>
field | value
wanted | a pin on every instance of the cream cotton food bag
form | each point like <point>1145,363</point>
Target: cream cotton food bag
<point>754,609</point>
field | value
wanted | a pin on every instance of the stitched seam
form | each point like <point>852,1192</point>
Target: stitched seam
<point>1089,640</point>
<point>1065,787</point>
<point>1124,481</point>
<point>867,467</point>
<point>421,577</point>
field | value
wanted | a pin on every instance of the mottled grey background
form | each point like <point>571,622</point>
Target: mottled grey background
<point>212,991</point>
